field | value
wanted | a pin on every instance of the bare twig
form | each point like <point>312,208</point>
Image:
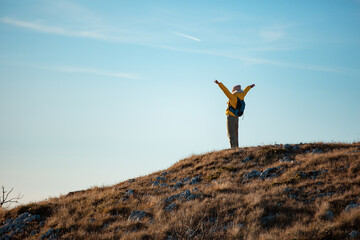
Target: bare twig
<point>4,199</point>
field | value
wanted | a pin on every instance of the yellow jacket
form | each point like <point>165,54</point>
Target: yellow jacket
<point>233,97</point>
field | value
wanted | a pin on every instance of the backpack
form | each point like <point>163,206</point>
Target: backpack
<point>240,107</point>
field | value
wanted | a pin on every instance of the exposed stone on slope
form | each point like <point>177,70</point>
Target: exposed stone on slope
<point>252,174</point>
<point>316,151</point>
<point>129,192</point>
<point>351,206</point>
<point>286,159</point>
<point>13,227</point>
<point>354,234</point>
<point>195,180</point>
<point>137,215</point>
<point>185,195</point>
<point>51,234</point>
<point>170,207</point>
<point>270,173</point>
<point>247,159</point>
<point>178,185</point>
<point>329,215</point>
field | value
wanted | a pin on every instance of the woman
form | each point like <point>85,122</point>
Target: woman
<point>232,120</point>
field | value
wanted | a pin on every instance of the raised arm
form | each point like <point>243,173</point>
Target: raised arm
<point>230,96</point>
<point>248,88</point>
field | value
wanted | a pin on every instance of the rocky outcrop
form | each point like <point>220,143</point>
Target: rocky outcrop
<point>18,225</point>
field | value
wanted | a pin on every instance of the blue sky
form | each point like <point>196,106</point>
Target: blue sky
<point>94,92</point>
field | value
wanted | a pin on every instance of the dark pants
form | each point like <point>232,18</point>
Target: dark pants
<point>232,124</point>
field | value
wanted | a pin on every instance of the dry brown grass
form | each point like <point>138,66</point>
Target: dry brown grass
<point>292,205</point>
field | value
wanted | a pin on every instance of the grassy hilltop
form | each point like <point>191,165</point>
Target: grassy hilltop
<point>303,191</point>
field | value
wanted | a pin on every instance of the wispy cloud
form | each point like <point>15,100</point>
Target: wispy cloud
<point>92,71</point>
<point>273,33</point>
<point>54,30</point>
<point>250,60</point>
<point>68,69</point>
<point>187,36</point>
<point>271,36</point>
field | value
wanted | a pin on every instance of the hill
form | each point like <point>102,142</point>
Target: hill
<point>302,191</point>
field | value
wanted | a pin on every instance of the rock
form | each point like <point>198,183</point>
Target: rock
<point>300,174</point>
<point>268,173</point>
<point>163,185</point>
<point>17,231</point>
<point>123,199</point>
<point>164,173</point>
<point>315,174</point>
<point>178,185</point>
<point>247,159</point>
<point>185,195</point>
<point>329,215</point>
<point>296,148</point>
<point>26,218</point>
<point>51,234</point>
<point>6,228</point>
<point>195,189</point>
<point>193,196</point>
<point>285,159</point>
<point>351,206</point>
<point>252,174</point>
<point>186,179</point>
<point>8,221</point>
<point>160,179</point>
<point>137,215</point>
<point>131,180</point>
<point>91,220</point>
<point>129,192</point>
<point>34,232</point>
<point>287,146</point>
<point>326,194</point>
<point>17,225</point>
<point>170,207</point>
<point>317,151</point>
<point>287,190</point>
<point>354,234</point>
<point>171,198</point>
<point>195,180</point>
<point>156,184</point>
<point>293,196</point>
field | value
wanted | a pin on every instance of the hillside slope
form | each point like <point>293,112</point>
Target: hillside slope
<point>304,191</point>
